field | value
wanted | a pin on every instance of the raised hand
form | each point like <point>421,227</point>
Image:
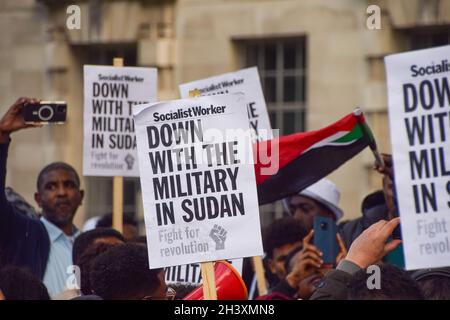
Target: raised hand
<point>306,262</point>
<point>388,184</point>
<point>388,168</point>
<point>13,120</point>
<point>370,247</point>
<point>342,249</point>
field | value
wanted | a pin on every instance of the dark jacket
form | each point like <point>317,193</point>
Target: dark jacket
<point>334,286</point>
<point>283,287</point>
<point>24,240</point>
<point>352,229</point>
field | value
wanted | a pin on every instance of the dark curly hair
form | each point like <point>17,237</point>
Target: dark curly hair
<point>281,232</point>
<point>395,284</point>
<point>123,273</point>
<point>20,284</point>
<point>86,239</point>
<point>85,261</point>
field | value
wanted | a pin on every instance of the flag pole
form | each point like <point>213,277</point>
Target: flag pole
<point>369,135</point>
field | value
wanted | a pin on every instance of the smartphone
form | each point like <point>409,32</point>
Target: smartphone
<point>45,112</point>
<point>325,233</point>
<point>397,233</point>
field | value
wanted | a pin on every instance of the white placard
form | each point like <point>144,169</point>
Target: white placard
<point>419,114</point>
<point>246,81</point>
<point>198,180</point>
<point>191,273</point>
<point>109,139</point>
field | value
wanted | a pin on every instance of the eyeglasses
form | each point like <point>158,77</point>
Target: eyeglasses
<point>169,295</point>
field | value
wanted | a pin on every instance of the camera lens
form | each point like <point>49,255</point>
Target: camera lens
<point>323,225</point>
<point>45,113</point>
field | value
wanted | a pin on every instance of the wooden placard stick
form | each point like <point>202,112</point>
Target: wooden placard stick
<point>207,268</point>
<point>260,275</point>
<point>209,281</point>
<point>257,261</point>
<point>117,217</point>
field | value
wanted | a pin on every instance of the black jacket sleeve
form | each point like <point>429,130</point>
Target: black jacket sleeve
<point>335,284</point>
<point>7,214</point>
<point>24,241</point>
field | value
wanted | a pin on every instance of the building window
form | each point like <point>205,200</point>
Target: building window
<point>105,53</point>
<point>282,67</point>
<point>429,37</point>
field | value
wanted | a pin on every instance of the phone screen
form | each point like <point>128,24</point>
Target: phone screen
<point>397,233</point>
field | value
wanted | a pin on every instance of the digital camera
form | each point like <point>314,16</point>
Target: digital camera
<point>45,112</point>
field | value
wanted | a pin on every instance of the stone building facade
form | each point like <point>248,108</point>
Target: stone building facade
<point>318,60</point>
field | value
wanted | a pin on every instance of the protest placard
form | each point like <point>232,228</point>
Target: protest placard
<point>190,273</point>
<point>199,189</point>
<point>109,138</point>
<point>246,81</point>
<point>419,114</point>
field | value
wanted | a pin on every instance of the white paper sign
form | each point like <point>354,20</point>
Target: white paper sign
<point>109,139</point>
<point>246,81</point>
<point>419,113</point>
<point>191,273</point>
<point>198,182</point>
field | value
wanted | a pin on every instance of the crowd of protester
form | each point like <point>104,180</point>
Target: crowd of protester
<point>44,256</point>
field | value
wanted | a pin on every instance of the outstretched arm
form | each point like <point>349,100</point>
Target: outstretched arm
<point>11,121</point>
<point>369,248</point>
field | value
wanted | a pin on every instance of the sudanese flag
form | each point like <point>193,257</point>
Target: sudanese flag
<point>306,157</point>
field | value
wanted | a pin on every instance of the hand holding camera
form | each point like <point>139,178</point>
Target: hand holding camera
<point>28,113</point>
<point>13,120</point>
<point>45,112</point>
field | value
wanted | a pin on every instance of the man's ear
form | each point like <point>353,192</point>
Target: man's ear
<point>81,197</point>
<point>37,198</point>
<point>271,265</point>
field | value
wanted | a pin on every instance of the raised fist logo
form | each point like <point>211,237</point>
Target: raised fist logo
<point>218,234</point>
<point>129,159</point>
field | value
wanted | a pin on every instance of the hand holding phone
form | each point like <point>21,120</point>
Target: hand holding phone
<point>325,238</point>
<point>304,263</point>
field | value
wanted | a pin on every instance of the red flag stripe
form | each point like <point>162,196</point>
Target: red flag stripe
<point>292,146</point>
